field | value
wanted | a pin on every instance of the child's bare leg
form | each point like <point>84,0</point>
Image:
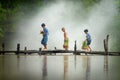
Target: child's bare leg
<point>45,47</point>
<point>90,48</point>
<point>87,49</point>
<point>65,47</point>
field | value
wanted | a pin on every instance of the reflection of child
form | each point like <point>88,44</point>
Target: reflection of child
<point>88,39</point>
<point>66,39</point>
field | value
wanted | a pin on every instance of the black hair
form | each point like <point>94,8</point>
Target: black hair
<point>86,30</point>
<point>43,24</point>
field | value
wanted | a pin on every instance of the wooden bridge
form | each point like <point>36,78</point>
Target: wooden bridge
<point>75,51</point>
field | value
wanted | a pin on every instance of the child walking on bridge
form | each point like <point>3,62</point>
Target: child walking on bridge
<point>45,34</point>
<point>66,39</point>
<point>88,40</point>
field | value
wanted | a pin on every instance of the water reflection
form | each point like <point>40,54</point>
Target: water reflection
<point>44,69</point>
<point>75,59</point>
<point>18,63</point>
<point>88,68</point>
<point>2,68</point>
<point>106,65</point>
<point>66,67</point>
<point>86,65</point>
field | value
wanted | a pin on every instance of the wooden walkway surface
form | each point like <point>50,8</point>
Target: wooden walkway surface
<point>43,52</point>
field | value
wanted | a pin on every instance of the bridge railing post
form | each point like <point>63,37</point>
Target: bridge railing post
<point>18,49</point>
<point>40,49</point>
<point>25,49</point>
<point>3,48</point>
<point>106,45</point>
<point>75,47</point>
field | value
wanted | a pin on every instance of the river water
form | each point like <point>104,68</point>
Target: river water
<point>60,67</point>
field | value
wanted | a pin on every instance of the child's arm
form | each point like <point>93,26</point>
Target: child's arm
<point>65,35</point>
<point>44,31</point>
<point>41,32</point>
<point>86,39</point>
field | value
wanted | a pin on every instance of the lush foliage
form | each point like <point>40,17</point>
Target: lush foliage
<point>9,9</point>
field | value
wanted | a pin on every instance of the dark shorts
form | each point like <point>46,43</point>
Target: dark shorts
<point>88,42</point>
<point>44,40</point>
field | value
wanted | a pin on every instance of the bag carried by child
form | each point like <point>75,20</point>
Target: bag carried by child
<point>84,45</point>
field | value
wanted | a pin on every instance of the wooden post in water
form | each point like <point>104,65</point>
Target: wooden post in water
<point>3,48</point>
<point>107,37</point>
<point>75,47</point>
<point>25,49</point>
<point>55,49</point>
<point>40,51</point>
<point>18,49</point>
<point>106,45</point>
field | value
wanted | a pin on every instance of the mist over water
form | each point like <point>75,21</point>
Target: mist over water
<point>71,15</point>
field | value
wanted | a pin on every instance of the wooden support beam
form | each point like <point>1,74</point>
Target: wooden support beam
<point>106,45</point>
<point>75,47</point>
<point>18,49</point>
<point>25,49</point>
<point>107,37</point>
<point>55,49</point>
<point>39,51</point>
<point>118,53</point>
<point>3,48</point>
<point>104,41</point>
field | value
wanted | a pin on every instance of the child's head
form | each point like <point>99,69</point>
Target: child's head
<point>42,25</point>
<point>63,29</point>
<point>86,31</point>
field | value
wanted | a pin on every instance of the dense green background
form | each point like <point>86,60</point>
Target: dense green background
<point>12,10</point>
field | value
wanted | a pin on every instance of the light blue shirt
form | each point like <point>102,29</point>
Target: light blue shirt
<point>46,32</point>
<point>88,37</point>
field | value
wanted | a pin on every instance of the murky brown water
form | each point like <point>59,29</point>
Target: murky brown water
<point>35,67</point>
